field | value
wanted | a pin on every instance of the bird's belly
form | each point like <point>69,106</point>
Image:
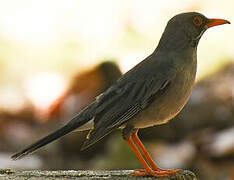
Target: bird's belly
<point>166,105</point>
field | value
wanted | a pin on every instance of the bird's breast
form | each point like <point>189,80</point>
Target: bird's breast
<point>168,103</point>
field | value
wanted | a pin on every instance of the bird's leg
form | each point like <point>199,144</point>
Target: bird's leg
<point>147,170</point>
<point>145,152</point>
<point>154,166</point>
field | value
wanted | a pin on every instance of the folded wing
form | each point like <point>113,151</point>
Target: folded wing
<point>121,102</point>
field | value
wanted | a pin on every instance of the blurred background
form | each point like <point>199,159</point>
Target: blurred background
<point>57,56</point>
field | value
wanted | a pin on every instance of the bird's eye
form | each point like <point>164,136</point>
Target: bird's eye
<point>197,20</point>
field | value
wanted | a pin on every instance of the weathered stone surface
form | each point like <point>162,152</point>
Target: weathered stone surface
<point>8,174</point>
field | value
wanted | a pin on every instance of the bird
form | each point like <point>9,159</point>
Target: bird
<point>150,94</point>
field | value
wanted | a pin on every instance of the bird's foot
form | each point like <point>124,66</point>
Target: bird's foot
<point>169,171</point>
<point>155,173</point>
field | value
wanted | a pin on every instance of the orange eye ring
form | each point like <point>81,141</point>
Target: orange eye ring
<point>197,20</point>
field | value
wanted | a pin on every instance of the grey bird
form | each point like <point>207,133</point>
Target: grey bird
<point>151,93</point>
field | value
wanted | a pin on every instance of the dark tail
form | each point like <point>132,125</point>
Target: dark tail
<point>76,122</point>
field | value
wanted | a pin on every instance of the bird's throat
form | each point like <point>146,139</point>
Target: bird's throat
<point>194,42</point>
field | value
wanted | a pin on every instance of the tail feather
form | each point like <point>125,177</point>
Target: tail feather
<point>76,122</point>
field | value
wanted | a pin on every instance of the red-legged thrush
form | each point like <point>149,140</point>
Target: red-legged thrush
<point>151,93</point>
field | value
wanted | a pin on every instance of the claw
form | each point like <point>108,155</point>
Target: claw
<point>173,171</point>
<point>150,172</point>
<point>168,171</point>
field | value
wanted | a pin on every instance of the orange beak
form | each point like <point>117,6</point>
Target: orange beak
<point>216,22</point>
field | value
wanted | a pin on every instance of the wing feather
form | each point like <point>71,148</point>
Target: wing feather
<point>134,96</point>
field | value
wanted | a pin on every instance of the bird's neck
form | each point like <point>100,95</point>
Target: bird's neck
<point>176,40</point>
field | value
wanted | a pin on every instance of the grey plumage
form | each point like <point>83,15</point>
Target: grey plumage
<point>151,93</point>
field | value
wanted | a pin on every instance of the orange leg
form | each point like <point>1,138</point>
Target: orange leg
<point>147,170</point>
<point>149,159</point>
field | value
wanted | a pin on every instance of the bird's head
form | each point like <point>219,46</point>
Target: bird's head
<point>195,24</point>
<point>189,27</point>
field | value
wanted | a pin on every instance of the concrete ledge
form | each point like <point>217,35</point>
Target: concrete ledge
<point>8,174</point>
